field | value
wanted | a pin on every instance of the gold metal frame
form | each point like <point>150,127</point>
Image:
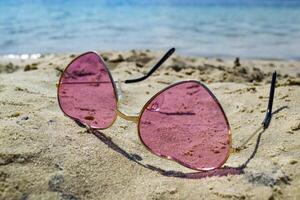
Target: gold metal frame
<point>136,118</point>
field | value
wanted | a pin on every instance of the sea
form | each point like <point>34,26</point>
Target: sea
<point>264,29</point>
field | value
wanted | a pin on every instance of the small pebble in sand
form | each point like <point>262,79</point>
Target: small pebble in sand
<point>138,64</point>
<point>292,162</point>
<point>296,127</point>
<point>116,58</point>
<point>251,89</point>
<point>243,109</point>
<point>25,118</point>
<point>59,69</point>
<point>17,114</point>
<point>51,122</point>
<point>8,68</point>
<point>176,68</point>
<point>263,110</point>
<point>124,127</point>
<point>29,67</point>
<point>237,62</point>
<point>189,73</point>
<point>271,65</point>
<point>19,89</point>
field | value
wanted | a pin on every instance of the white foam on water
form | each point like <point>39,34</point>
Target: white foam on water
<point>22,56</point>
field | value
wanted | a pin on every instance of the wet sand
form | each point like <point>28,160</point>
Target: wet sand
<point>45,155</point>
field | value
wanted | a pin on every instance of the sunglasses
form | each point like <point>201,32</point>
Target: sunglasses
<point>183,122</point>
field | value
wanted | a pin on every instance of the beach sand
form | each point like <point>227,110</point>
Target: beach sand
<point>45,155</point>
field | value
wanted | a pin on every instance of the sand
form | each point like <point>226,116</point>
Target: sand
<point>45,155</point>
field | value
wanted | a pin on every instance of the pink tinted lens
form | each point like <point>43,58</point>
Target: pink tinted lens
<point>186,123</point>
<point>86,92</point>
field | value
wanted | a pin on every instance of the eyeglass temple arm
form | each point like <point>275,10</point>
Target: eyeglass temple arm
<point>268,117</point>
<point>154,68</point>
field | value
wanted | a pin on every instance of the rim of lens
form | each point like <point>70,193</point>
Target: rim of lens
<point>174,159</point>
<point>110,76</point>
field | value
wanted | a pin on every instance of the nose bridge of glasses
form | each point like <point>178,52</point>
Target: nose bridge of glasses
<point>128,117</point>
<point>133,118</point>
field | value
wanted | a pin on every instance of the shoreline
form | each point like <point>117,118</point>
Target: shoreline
<point>224,57</point>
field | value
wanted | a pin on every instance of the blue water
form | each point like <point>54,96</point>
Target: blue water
<point>224,28</point>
